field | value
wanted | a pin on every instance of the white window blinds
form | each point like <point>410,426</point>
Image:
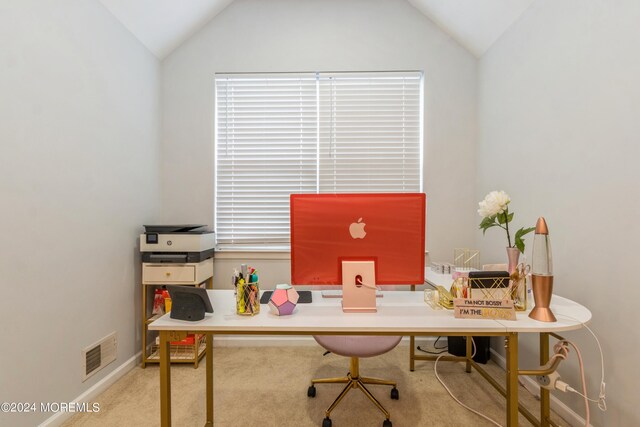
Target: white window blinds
<point>370,132</point>
<point>278,134</point>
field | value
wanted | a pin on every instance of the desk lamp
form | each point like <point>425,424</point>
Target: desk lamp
<point>542,274</point>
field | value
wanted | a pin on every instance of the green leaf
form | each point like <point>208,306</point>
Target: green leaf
<point>484,229</point>
<point>524,231</point>
<point>488,222</point>
<point>519,237</point>
<point>505,217</point>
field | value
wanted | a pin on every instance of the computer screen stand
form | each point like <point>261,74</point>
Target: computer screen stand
<point>358,287</point>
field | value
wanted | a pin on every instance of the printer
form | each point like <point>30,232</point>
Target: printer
<point>177,243</point>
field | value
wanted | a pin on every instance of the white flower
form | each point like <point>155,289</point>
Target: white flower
<point>494,203</point>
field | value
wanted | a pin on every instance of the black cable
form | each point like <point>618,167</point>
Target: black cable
<point>437,339</point>
<point>439,348</point>
<point>431,352</point>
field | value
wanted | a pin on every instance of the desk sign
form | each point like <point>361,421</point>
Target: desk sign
<point>483,309</point>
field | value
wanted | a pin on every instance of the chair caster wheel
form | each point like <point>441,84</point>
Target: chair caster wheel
<point>326,422</point>
<point>386,423</point>
<point>395,395</point>
<point>311,391</point>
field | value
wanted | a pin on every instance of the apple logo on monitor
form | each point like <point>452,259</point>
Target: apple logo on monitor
<point>357,229</point>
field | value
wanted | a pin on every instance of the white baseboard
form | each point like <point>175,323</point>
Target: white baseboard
<point>94,391</point>
<point>532,387</point>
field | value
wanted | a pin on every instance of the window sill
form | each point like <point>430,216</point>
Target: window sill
<point>257,252</point>
<point>254,252</point>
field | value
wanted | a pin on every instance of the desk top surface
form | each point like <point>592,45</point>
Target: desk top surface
<point>402,312</point>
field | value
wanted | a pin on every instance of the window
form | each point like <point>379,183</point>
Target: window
<point>278,134</point>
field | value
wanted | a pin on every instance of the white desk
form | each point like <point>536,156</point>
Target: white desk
<point>399,313</point>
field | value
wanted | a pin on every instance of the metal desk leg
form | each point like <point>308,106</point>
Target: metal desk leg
<point>165,380</point>
<point>511,345</point>
<point>144,325</point>
<point>469,353</point>
<point>412,346</point>
<point>412,353</point>
<point>544,393</point>
<point>209,393</point>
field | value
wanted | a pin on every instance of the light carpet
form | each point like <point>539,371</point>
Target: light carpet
<point>267,386</point>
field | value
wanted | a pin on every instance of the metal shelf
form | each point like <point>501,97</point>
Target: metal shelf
<point>155,275</point>
<point>183,353</point>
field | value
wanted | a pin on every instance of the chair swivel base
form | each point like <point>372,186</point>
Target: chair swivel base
<point>353,380</point>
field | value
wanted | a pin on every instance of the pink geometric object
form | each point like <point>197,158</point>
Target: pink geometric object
<point>283,300</point>
<point>279,297</point>
<point>292,295</point>
<point>286,308</point>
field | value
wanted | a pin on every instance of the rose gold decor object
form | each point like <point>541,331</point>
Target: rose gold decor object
<point>542,291</point>
<point>542,274</point>
<point>513,255</point>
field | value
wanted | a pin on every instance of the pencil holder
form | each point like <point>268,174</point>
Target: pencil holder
<point>248,299</point>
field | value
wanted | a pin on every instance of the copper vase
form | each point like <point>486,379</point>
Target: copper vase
<point>542,292</point>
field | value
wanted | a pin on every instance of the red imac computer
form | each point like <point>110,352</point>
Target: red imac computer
<point>358,241</point>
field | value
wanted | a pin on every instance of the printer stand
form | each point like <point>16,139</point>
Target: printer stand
<point>156,275</point>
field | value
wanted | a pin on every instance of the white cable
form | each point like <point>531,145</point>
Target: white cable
<point>435,371</point>
<point>562,386</point>
<point>602,402</point>
<point>584,384</point>
<point>573,390</point>
<point>366,285</point>
<point>561,351</point>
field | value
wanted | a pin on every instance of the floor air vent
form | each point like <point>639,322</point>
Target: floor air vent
<point>99,355</point>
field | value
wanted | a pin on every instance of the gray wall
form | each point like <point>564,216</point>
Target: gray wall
<point>79,156</point>
<point>317,35</point>
<point>559,123</point>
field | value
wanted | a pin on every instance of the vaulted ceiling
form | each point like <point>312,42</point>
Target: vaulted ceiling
<point>162,25</point>
<point>475,24</point>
